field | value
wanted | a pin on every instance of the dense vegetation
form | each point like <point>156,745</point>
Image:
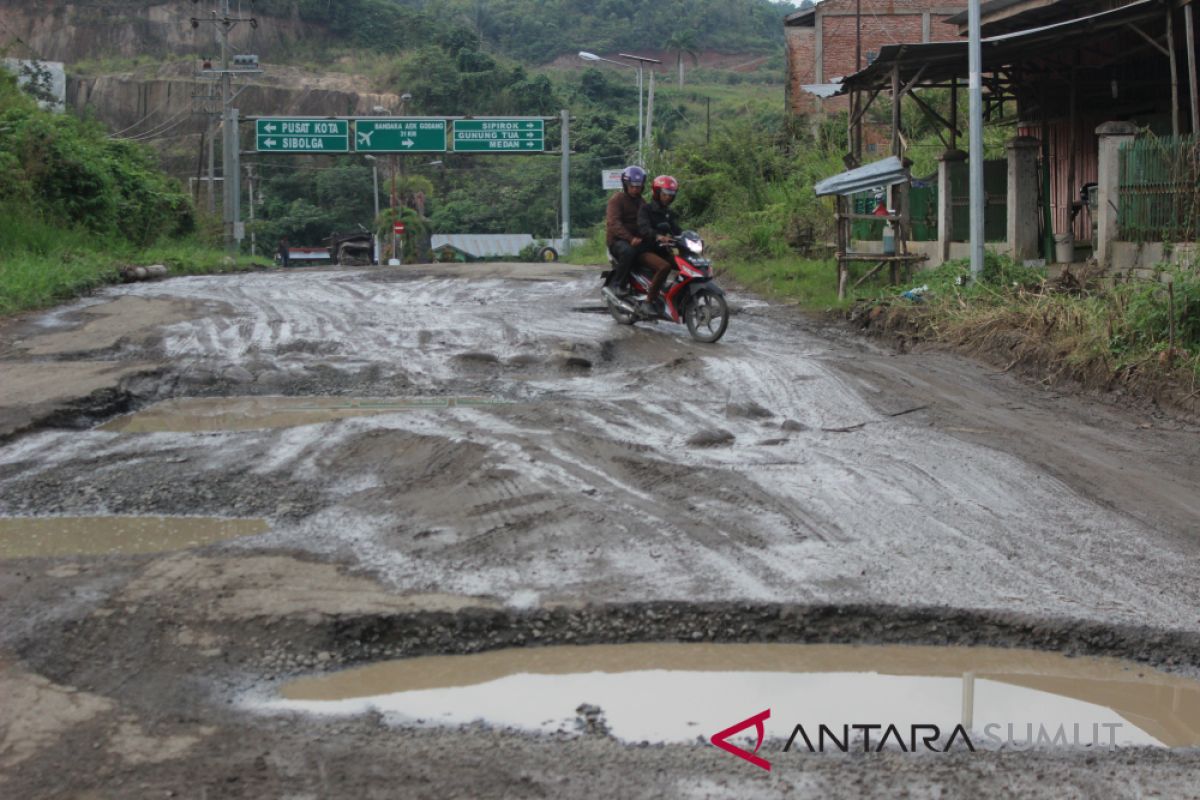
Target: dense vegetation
<point>536,31</point>
<point>74,203</point>
<point>67,170</point>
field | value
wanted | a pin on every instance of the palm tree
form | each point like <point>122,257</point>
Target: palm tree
<point>683,42</point>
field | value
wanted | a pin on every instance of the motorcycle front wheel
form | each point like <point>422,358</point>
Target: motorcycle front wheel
<point>707,316</point>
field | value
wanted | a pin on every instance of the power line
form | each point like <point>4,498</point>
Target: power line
<point>115,134</point>
<point>172,122</point>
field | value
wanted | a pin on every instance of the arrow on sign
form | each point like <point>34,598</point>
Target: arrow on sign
<point>408,143</point>
<point>270,142</point>
<point>269,127</point>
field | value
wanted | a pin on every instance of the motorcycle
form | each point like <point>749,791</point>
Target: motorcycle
<point>690,297</point>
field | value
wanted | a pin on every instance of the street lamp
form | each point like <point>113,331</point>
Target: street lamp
<point>649,92</point>
<point>586,56</point>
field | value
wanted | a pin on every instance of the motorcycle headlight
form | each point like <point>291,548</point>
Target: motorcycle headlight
<point>695,246</point>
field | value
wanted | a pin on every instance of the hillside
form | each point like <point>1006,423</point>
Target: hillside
<point>131,66</point>
<point>298,31</point>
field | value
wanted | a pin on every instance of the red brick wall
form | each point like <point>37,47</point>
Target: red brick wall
<point>802,69</point>
<point>883,22</point>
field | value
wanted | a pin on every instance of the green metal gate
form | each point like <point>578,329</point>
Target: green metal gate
<point>1160,189</point>
<point>995,192</point>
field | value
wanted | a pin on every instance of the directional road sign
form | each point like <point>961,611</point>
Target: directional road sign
<point>399,135</point>
<point>499,135</point>
<point>289,135</point>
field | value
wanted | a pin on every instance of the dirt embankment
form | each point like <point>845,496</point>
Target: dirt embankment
<point>1034,350</point>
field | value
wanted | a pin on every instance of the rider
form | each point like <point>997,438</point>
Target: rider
<point>621,224</point>
<point>657,223</point>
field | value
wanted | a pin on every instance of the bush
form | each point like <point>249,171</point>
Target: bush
<point>69,172</point>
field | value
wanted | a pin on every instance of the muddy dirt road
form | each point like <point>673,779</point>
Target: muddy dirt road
<point>380,464</point>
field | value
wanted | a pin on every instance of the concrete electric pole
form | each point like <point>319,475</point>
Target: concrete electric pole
<point>975,146</point>
<point>231,213</point>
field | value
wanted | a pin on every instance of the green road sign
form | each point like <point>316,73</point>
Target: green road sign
<point>399,135</point>
<point>499,135</point>
<point>287,135</point>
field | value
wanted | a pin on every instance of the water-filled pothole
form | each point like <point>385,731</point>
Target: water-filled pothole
<point>51,537</point>
<point>669,692</point>
<point>197,414</point>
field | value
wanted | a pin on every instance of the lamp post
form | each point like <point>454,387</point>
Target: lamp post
<point>642,60</point>
<point>586,56</point>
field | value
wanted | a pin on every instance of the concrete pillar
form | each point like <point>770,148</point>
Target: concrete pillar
<point>1022,232</point>
<point>1108,185</point>
<point>945,200</point>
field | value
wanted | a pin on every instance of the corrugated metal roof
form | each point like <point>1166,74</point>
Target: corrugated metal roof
<point>822,89</point>
<point>987,8</point>
<point>885,172</point>
<point>943,60</point>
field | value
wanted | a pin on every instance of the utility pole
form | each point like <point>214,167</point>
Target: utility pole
<point>212,160</point>
<point>975,146</point>
<point>223,23</point>
<point>641,146</point>
<point>566,182</point>
<point>229,162</point>
<point>250,178</point>
<point>650,112</point>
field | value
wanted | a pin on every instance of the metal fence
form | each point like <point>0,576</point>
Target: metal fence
<point>1160,189</point>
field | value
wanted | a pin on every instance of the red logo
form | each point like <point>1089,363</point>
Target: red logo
<point>719,739</point>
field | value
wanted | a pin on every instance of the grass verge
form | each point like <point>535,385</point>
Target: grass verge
<point>810,283</point>
<point>42,264</point>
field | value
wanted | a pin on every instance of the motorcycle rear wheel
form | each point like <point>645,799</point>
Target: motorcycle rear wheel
<point>707,316</point>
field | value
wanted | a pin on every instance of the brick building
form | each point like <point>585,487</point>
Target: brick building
<point>821,40</point>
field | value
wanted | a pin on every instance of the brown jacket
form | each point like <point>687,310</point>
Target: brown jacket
<point>621,217</point>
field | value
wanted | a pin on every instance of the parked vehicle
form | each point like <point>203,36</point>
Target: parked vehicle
<point>690,297</point>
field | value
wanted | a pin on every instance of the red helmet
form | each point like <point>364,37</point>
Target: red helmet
<point>664,186</point>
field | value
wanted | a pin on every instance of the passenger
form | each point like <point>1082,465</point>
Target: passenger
<point>621,225</point>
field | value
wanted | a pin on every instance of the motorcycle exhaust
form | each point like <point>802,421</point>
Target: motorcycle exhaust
<point>611,297</point>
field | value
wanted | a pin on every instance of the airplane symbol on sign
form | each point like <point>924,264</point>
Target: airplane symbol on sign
<point>364,137</point>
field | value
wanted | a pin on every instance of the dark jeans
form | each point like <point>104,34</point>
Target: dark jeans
<point>626,254</point>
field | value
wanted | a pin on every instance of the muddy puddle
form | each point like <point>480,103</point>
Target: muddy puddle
<point>676,692</point>
<point>198,414</point>
<point>57,537</point>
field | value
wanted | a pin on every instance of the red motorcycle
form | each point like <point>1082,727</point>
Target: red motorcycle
<point>689,297</point>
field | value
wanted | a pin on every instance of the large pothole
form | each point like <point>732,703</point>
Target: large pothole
<point>671,692</point>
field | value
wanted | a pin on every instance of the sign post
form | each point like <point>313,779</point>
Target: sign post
<point>399,135</point>
<point>397,231</point>
<point>288,135</point>
<point>513,135</point>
